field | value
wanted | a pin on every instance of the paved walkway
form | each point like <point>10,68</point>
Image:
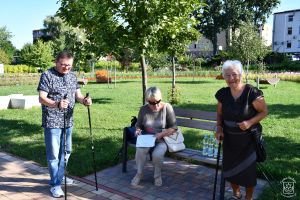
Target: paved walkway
<point>21,179</point>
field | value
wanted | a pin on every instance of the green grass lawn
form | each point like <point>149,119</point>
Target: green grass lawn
<point>22,135</point>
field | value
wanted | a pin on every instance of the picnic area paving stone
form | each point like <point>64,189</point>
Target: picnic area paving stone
<point>21,180</point>
<point>181,180</point>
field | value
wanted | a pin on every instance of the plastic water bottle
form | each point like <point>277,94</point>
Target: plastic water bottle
<point>204,145</point>
<point>210,146</point>
<point>216,145</point>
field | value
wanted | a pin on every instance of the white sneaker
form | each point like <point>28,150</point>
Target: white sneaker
<point>69,181</point>
<point>57,192</point>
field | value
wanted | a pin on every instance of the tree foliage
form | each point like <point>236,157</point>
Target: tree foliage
<point>221,15</point>
<point>39,54</point>
<point>112,26</point>
<point>5,43</point>
<point>247,45</point>
<point>4,59</point>
<point>65,37</point>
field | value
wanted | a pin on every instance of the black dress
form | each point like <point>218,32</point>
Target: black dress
<point>239,157</point>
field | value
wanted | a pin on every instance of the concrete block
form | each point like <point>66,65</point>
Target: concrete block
<point>24,102</point>
<point>4,102</point>
<point>18,103</point>
<point>33,100</point>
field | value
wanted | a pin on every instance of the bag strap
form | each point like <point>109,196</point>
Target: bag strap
<point>247,106</point>
<point>164,116</point>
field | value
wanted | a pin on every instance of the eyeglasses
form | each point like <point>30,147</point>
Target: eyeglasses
<point>154,103</point>
<point>227,76</point>
<point>64,65</point>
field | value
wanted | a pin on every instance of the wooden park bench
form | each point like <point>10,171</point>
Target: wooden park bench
<point>82,81</point>
<point>189,118</point>
<point>270,81</point>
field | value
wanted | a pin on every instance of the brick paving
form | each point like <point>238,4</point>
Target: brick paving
<point>22,179</point>
<point>181,180</point>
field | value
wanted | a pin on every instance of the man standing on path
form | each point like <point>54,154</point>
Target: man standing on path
<point>58,90</point>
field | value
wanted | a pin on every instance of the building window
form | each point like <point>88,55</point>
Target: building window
<point>290,30</point>
<point>288,45</point>
<point>298,43</point>
<point>290,18</point>
<point>195,46</point>
<point>299,29</point>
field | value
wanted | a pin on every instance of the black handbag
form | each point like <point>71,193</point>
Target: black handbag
<point>260,146</point>
<point>256,132</point>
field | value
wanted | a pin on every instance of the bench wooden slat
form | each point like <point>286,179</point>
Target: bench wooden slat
<point>197,155</point>
<point>198,114</point>
<point>205,125</point>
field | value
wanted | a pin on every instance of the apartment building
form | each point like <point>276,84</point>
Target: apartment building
<point>42,34</point>
<point>204,47</point>
<point>286,32</point>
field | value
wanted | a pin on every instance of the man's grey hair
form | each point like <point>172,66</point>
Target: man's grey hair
<point>153,92</point>
<point>232,64</point>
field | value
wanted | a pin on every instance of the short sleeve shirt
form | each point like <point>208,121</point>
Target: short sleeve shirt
<point>235,109</point>
<point>57,86</point>
<point>151,121</point>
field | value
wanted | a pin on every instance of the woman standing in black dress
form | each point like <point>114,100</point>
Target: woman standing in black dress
<point>240,108</point>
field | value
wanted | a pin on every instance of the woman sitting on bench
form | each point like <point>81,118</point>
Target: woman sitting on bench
<point>150,120</point>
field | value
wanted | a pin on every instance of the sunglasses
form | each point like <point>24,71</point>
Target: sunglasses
<point>154,103</point>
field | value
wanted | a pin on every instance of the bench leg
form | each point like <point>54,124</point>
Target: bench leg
<point>124,152</point>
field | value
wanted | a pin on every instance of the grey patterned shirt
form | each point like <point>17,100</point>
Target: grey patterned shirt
<point>57,86</point>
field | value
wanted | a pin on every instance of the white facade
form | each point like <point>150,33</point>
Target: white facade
<point>266,34</point>
<point>286,32</point>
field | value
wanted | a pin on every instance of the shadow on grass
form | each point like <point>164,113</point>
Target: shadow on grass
<point>102,101</point>
<point>279,110</point>
<point>22,139</point>
<point>185,82</point>
<point>284,111</point>
<point>111,84</point>
<point>81,161</point>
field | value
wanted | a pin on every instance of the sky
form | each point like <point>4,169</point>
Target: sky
<point>21,17</point>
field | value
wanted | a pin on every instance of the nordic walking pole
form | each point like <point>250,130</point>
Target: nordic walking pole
<point>217,168</point>
<point>92,142</point>
<point>65,150</point>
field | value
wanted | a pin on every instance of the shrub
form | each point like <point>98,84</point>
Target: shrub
<point>174,95</point>
<point>102,76</point>
<point>4,58</point>
<point>19,69</point>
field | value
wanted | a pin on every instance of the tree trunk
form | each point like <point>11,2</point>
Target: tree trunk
<point>215,43</point>
<point>247,69</point>
<point>144,76</point>
<point>173,72</point>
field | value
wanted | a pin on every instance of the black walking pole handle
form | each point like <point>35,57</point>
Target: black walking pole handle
<point>87,95</point>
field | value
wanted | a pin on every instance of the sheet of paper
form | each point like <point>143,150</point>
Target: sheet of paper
<point>145,141</point>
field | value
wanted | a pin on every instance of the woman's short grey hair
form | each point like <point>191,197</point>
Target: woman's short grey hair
<point>153,92</point>
<point>232,64</point>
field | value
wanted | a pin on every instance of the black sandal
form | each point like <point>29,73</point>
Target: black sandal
<point>233,197</point>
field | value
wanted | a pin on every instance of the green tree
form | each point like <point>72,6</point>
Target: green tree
<point>115,25</point>
<point>211,21</point>
<point>221,15</point>
<point>65,37</point>
<point>174,38</point>
<point>39,54</point>
<point>5,43</point>
<point>4,59</point>
<point>247,45</point>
